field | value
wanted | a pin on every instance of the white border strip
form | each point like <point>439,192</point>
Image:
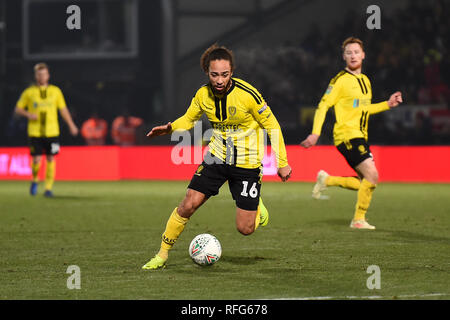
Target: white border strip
<point>367,297</point>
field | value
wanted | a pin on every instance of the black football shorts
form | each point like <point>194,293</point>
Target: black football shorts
<point>40,146</point>
<point>355,151</point>
<point>244,184</point>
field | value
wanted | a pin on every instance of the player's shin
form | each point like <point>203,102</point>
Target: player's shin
<point>50,174</point>
<point>364,198</point>
<point>174,227</point>
<point>352,183</point>
<point>35,167</point>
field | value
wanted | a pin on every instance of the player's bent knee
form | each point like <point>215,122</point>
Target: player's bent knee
<point>375,179</point>
<point>186,209</point>
<point>372,177</point>
<point>190,204</point>
<point>36,159</point>
<point>246,230</point>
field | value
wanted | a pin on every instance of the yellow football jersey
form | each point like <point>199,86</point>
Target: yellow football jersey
<point>45,103</point>
<point>351,96</point>
<point>237,119</point>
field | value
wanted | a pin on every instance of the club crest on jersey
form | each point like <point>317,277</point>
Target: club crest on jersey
<point>199,169</point>
<point>232,110</point>
<point>355,103</point>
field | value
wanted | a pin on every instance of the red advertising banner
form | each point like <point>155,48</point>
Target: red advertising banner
<point>396,164</point>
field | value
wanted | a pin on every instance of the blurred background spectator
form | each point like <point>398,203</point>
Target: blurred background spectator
<point>94,130</point>
<point>124,130</point>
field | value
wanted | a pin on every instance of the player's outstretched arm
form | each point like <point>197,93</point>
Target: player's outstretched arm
<point>310,141</point>
<point>160,130</point>
<point>395,99</point>
<point>329,99</point>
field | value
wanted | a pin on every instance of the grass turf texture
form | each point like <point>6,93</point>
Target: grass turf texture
<point>110,229</point>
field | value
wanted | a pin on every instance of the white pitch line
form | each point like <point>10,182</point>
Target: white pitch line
<point>367,297</point>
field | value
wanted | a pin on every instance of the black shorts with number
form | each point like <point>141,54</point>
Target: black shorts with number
<point>40,146</point>
<point>244,184</point>
<point>355,151</point>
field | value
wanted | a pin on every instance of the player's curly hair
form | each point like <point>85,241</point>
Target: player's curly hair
<point>216,52</point>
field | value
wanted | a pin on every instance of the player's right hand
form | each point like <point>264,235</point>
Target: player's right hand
<point>395,99</point>
<point>32,117</point>
<point>310,141</point>
<point>284,173</point>
<point>73,130</point>
<point>160,130</point>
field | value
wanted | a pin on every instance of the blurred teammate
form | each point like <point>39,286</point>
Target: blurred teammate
<point>350,93</point>
<point>237,113</point>
<point>40,103</point>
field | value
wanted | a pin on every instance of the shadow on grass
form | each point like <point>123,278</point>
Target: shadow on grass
<point>244,260</point>
<point>407,235</point>
<point>226,265</point>
<point>391,233</point>
<point>336,222</point>
<point>235,260</point>
<point>69,197</point>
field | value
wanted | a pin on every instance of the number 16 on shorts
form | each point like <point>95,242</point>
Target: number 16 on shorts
<point>253,192</point>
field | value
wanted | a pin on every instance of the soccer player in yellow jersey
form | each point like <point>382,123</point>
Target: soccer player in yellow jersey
<point>237,113</point>
<point>40,104</point>
<point>350,93</point>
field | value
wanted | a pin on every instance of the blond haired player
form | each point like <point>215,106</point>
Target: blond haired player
<point>40,104</point>
<point>350,92</point>
<point>236,111</point>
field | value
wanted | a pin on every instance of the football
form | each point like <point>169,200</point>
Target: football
<point>205,249</point>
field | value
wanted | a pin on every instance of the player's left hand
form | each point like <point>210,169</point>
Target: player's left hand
<point>284,173</point>
<point>395,99</point>
<point>310,141</point>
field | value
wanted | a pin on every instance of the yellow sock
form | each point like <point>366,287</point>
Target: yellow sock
<point>364,197</point>
<point>35,171</point>
<point>351,183</point>
<point>50,175</point>
<point>174,227</point>
<point>258,217</point>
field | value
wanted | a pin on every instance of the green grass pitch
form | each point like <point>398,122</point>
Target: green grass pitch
<point>110,229</point>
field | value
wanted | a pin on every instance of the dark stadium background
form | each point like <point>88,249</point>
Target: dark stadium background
<point>142,57</point>
<point>112,202</point>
